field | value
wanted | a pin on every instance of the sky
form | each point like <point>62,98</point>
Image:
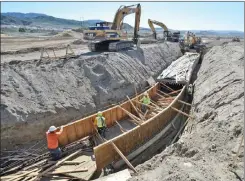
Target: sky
<point>175,15</point>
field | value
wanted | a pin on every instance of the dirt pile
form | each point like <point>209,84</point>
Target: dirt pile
<point>36,94</point>
<point>210,141</point>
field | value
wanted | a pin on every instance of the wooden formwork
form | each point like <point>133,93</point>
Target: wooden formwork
<point>130,140</point>
<point>84,127</point>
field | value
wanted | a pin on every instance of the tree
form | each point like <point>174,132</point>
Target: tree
<point>22,30</point>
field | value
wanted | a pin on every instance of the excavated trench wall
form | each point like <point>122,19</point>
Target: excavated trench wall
<point>37,94</point>
<point>209,143</point>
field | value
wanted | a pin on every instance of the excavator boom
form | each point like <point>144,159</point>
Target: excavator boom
<point>113,39</point>
<point>124,11</point>
<point>163,26</point>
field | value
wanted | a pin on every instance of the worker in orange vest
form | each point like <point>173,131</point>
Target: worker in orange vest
<point>52,140</point>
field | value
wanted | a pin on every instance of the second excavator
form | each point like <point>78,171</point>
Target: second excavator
<point>168,35</point>
<point>109,36</point>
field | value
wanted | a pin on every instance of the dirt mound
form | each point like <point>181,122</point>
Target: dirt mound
<point>68,34</point>
<point>4,35</point>
<point>78,42</point>
<point>37,94</point>
<point>210,141</point>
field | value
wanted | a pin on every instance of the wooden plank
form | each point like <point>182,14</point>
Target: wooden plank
<point>182,112</point>
<point>184,103</point>
<point>57,164</point>
<point>160,95</point>
<point>72,162</point>
<point>135,109</point>
<point>123,157</point>
<point>86,162</point>
<point>152,107</point>
<point>67,171</point>
<point>79,129</point>
<point>166,94</point>
<point>121,128</point>
<point>166,86</point>
<point>137,120</point>
<point>71,133</point>
<point>175,91</point>
<point>23,174</point>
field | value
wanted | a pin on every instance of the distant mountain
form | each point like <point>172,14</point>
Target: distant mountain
<point>46,21</point>
<point>23,15</point>
<point>10,20</point>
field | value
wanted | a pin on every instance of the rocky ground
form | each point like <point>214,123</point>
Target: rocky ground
<point>37,94</point>
<point>207,148</point>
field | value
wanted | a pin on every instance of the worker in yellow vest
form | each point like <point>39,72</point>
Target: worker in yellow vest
<point>100,123</point>
<point>145,101</point>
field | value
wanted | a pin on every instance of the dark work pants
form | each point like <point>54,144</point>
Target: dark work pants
<point>102,131</point>
<point>55,153</point>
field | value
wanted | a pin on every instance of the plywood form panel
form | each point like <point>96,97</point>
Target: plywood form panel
<point>147,130</point>
<point>83,127</point>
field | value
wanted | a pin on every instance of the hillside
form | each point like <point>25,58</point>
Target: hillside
<point>46,21</point>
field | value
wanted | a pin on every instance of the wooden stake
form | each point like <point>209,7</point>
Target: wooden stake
<point>182,112</point>
<point>135,109</point>
<point>183,102</point>
<point>160,95</point>
<point>152,107</point>
<point>155,105</point>
<point>166,86</point>
<point>131,115</point>
<point>166,94</point>
<point>121,128</point>
<point>123,157</point>
<point>175,91</point>
<point>118,151</point>
<point>145,113</point>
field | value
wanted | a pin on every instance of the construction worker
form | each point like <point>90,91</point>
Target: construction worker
<point>52,140</point>
<point>100,123</point>
<point>145,101</point>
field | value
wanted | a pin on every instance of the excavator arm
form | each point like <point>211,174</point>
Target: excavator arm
<point>124,11</point>
<point>151,22</point>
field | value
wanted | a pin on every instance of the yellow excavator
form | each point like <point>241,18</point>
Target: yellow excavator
<point>108,36</point>
<point>168,35</point>
<point>191,42</point>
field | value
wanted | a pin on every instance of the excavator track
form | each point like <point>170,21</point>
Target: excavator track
<point>120,45</point>
<point>114,46</point>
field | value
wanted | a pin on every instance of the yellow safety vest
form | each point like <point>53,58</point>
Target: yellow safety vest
<point>100,121</point>
<point>146,100</point>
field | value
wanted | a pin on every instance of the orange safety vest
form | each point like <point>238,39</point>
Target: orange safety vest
<point>52,139</point>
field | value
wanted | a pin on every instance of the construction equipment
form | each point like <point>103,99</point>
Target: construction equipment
<point>168,35</point>
<point>235,39</point>
<point>109,36</point>
<point>191,43</point>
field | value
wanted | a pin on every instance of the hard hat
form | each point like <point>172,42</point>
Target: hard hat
<point>99,113</point>
<point>145,93</point>
<point>52,129</point>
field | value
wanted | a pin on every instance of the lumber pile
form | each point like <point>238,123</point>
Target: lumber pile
<point>77,165</point>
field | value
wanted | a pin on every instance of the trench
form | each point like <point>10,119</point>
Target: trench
<point>155,148</point>
<point>176,126</point>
